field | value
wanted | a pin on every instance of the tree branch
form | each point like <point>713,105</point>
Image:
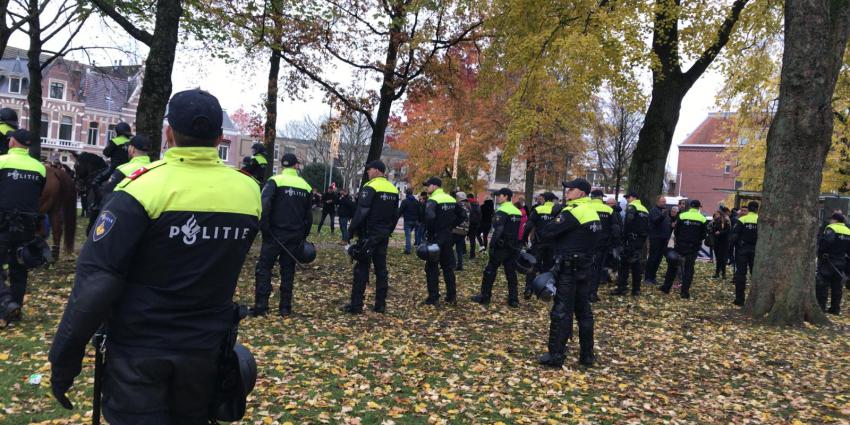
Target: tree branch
<point>135,32</point>
<point>359,19</point>
<point>63,51</point>
<point>712,51</point>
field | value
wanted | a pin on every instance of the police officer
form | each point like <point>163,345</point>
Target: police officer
<point>374,221</point>
<point>504,249</point>
<point>139,146</point>
<point>608,237</point>
<point>635,226</point>
<point>574,234</point>
<point>744,238</point>
<point>833,249</point>
<point>162,266</point>
<point>117,148</point>
<point>540,216</point>
<point>22,179</point>
<point>690,230</point>
<point>442,214</point>
<point>8,124</point>
<point>259,163</point>
<point>286,221</point>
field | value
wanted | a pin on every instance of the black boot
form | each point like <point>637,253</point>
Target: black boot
<point>480,299</point>
<point>348,308</point>
<point>551,360</point>
<point>9,312</point>
<point>261,307</point>
<point>586,358</point>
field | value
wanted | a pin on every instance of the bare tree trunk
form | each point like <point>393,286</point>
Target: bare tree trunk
<point>270,129</point>
<point>34,93</point>
<point>530,174</point>
<point>816,34</point>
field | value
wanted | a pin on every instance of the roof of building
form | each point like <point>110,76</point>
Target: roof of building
<point>14,52</point>
<point>105,91</point>
<point>714,130</point>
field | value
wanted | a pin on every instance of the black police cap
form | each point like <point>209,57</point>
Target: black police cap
<point>753,206</point>
<point>579,183</point>
<point>195,113</point>
<point>505,191</point>
<point>378,165</point>
<point>549,196</point>
<point>695,203</point>
<point>632,194</point>
<point>22,136</point>
<point>597,193</point>
<point>839,218</point>
<point>141,142</point>
<point>433,180</point>
<point>289,160</point>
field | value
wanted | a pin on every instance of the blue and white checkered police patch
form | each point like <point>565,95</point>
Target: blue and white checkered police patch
<point>105,221</point>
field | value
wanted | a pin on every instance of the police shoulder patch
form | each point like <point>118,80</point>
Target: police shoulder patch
<point>135,174</point>
<point>105,222</point>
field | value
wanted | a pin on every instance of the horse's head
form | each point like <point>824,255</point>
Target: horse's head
<point>88,165</point>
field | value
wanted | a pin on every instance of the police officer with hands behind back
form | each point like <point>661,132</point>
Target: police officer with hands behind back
<point>285,224</point>
<point>504,249</point>
<point>442,214</point>
<point>833,249</point>
<point>635,226</point>
<point>139,146</point>
<point>374,220</point>
<point>574,234</point>
<point>161,266</point>
<point>22,179</point>
<point>690,230</point>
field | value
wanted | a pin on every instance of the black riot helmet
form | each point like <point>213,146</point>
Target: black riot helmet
<point>360,251</point>
<point>240,376</point>
<point>258,148</point>
<point>307,254</point>
<point>672,256</point>
<point>525,262</point>
<point>9,116</point>
<point>544,286</point>
<point>33,254</point>
<point>123,129</point>
<point>428,252</point>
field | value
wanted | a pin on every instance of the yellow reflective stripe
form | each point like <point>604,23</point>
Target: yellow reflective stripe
<point>134,164</point>
<point>194,179</point>
<point>509,208</point>
<point>693,215</point>
<point>750,218</point>
<point>260,159</point>
<point>839,228</point>
<point>20,159</point>
<point>639,206</point>
<point>441,197</point>
<point>290,178</point>
<point>5,128</point>
<point>120,140</point>
<point>584,213</point>
<point>600,206</point>
<point>546,208</point>
<point>381,184</point>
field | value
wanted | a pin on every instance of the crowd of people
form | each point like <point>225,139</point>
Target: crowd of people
<point>157,274</point>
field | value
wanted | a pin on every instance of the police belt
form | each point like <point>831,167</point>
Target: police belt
<point>571,261</point>
<point>16,221</point>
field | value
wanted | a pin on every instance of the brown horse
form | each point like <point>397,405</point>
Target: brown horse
<point>59,203</point>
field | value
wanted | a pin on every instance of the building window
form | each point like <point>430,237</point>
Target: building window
<point>288,149</point>
<point>276,151</point>
<point>223,151</point>
<point>14,85</point>
<point>57,90</point>
<point>503,170</point>
<point>66,128</point>
<point>93,130</point>
<point>727,168</point>
<point>110,132</point>
<point>45,125</point>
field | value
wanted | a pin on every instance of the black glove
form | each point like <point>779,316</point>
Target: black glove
<point>61,379</point>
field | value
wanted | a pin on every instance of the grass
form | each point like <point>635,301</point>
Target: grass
<point>661,359</point>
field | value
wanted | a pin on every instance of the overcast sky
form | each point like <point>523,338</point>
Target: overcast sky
<point>243,84</point>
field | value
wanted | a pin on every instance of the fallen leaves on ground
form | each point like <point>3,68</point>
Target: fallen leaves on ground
<point>661,359</point>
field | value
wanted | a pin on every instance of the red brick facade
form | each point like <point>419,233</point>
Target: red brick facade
<point>704,166</point>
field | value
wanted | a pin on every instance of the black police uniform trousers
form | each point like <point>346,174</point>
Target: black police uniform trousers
<point>361,274</point>
<point>571,299</point>
<point>829,281</point>
<point>159,388</point>
<point>505,257</point>
<point>600,259</point>
<point>721,253</point>
<point>13,276</point>
<point>473,236</point>
<point>656,252</point>
<point>270,253</point>
<point>685,264</point>
<point>632,261</point>
<point>545,260</point>
<point>432,273</point>
<point>744,258</point>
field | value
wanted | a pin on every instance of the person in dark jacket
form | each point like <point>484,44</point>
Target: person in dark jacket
<point>833,250</point>
<point>461,231</point>
<point>540,217</point>
<point>161,266</point>
<point>607,239</point>
<point>719,229</point>
<point>316,201</point>
<point>329,201</point>
<point>442,215</point>
<point>8,124</point>
<point>116,147</point>
<point>474,223</point>
<point>744,238</point>
<point>420,226</point>
<point>634,236</point>
<point>409,210</point>
<point>487,212</point>
<point>375,218</point>
<point>503,248</point>
<point>259,163</point>
<point>659,235</point>
<point>690,231</point>
<point>285,223</point>
<point>139,146</point>
<point>344,211</point>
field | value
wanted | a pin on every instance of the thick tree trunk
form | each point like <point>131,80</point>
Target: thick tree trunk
<point>270,129</point>
<point>783,291</point>
<point>34,93</point>
<point>156,87</point>
<point>530,175</point>
<point>646,172</point>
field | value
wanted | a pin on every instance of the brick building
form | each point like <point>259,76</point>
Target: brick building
<point>704,166</point>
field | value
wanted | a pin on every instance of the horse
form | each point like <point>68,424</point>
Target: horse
<point>59,202</point>
<point>87,168</point>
